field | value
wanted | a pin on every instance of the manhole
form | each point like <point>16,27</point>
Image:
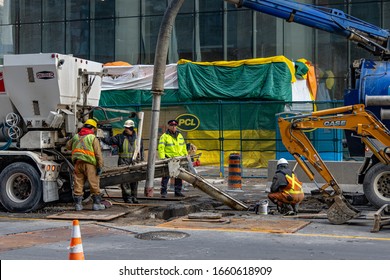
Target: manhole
<point>162,235</point>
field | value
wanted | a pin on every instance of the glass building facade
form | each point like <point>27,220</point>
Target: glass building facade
<point>205,30</point>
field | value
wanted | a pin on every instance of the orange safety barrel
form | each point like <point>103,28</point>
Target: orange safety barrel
<point>234,179</point>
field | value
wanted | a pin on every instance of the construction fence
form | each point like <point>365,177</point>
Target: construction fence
<point>226,107</point>
<point>219,129</point>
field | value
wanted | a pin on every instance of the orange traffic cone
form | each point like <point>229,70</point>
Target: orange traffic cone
<point>76,246</point>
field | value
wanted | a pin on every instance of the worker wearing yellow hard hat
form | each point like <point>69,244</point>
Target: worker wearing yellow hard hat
<point>91,122</point>
<point>88,163</point>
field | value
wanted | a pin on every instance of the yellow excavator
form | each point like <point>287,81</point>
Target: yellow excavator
<point>374,173</point>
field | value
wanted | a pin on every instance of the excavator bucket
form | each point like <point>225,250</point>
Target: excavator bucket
<point>341,211</point>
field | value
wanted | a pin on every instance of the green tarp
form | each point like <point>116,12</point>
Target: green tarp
<point>270,81</point>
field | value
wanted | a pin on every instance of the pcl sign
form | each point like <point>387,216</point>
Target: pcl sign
<point>187,122</point>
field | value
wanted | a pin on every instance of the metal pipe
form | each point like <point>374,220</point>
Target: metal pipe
<point>197,181</point>
<point>160,59</point>
<point>377,100</point>
<point>212,191</point>
<point>385,114</point>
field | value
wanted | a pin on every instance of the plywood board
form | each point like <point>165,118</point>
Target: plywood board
<point>87,215</point>
<point>52,235</point>
<point>239,224</point>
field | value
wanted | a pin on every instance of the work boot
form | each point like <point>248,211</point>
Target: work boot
<point>163,192</point>
<point>295,208</point>
<point>179,194</point>
<point>127,199</point>
<point>97,203</point>
<point>285,208</point>
<point>78,200</point>
<point>290,213</point>
<point>134,192</point>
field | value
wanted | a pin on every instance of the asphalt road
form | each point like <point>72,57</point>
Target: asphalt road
<point>38,239</point>
<point>240,236</point>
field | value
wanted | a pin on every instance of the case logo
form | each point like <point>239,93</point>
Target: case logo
<point>335,123</point>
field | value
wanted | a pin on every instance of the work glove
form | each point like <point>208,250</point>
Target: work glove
<point>98,171</point>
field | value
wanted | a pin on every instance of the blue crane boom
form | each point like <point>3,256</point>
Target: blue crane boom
<point>372,38</point>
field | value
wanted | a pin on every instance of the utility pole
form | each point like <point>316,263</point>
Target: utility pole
<point>160,61</point>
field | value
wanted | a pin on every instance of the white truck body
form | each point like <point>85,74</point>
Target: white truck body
<point>47,97</point>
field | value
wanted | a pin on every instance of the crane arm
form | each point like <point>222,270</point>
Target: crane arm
<point>372,38</point>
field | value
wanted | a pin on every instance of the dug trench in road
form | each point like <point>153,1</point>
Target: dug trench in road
<point>336,213</point>
<point>173,168</point>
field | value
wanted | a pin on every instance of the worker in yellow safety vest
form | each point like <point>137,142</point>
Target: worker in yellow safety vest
<point>126,143</point>
<point>88,162</point>
<point>172,144</point>
<point>286,189</point>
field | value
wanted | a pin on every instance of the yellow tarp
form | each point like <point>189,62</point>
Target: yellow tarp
<point>258,146</point>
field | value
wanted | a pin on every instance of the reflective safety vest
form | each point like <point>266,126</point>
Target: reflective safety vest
<point>126,151</point>
<point>294,185</point>
<point>170,146</point>
<point>82,148</point>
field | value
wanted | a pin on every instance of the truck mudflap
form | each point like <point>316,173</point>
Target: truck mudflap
<point>199,182</point>
<point>341,211</point>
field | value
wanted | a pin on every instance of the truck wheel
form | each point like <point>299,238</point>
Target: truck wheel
<point>20,188</point>
<point>376,185</point>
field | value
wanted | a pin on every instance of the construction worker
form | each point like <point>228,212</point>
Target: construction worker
<point>126,143</point>
<point>286,189</point>
<point>88,162</point>
<point>171,145</point>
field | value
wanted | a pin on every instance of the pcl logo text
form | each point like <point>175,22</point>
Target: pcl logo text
<point>187,122</point>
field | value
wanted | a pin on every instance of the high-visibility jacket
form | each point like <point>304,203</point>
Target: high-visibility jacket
<point>126,145</point>
<point>127,150</point>
<point>82,148</point>
<point>171,146</point>
<point>294,185</point>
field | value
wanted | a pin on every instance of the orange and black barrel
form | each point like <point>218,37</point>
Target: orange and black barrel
<point>234,179</point>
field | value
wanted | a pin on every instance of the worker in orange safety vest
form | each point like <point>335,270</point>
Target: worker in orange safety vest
<point>88,162</point>
<point>286,189</point>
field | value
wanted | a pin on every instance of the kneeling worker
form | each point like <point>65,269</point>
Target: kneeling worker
<point>286,189</point>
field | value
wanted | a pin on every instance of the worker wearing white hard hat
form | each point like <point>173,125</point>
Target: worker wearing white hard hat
<point>129,124</point>
<point>282,161</point>
<point>126,142</point>
<point>286,189</point>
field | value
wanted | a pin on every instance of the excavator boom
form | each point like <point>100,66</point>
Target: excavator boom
<point>355,118</point>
